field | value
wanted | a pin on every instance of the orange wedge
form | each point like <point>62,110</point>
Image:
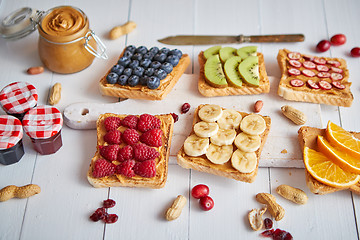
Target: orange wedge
<point>342,159</point>
<point>342,139</point>
<point>327,172</point>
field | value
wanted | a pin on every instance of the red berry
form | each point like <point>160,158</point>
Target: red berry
<point>112,123</point>
<point>267,233</point>
<point>109,203</point>
<point>355,52</point>
<point>125,153</point>
<point>338,39</point>
<point>113,137</point>
<point>199,191</point>
<point>146,169</point>
<point>126,168</point>
<point>109,152</point>
<point>148,122</point>
<point>111,218</point>
<point>100,213</point>
<point>130,121</point>
<point>323,46</point>
<point>185,108</point>
<point>175,117</point>
<point>268,223</point>
<point>206,203</point>
<point>103,168</point>
<point>143,152</point>
<point>152,137</point>
<point>130,136</point>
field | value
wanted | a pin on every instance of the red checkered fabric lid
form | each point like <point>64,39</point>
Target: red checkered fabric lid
<point>42,122</point>
<point>18,97</point>
<point>11,131</point>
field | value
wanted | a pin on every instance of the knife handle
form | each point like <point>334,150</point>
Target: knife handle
<point>276,38</point>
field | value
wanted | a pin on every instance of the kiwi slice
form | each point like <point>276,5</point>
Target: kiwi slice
<point>231,69</point>
<point>244,52</point>
<point>211,51</point>
<point>214,74</point>
<point>226,53</point>
<point>249,70</point>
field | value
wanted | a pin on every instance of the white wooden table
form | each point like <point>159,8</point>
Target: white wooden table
<point>62,209</point>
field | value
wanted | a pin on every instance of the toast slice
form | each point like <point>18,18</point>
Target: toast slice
<point>117,180</point>
<point>307,138</point>
<point>305,93</point>
<point>202,164</point>
<point>143,92</point>
<point>209,91</point>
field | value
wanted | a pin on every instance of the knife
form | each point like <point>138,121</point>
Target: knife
<point>218,39</point>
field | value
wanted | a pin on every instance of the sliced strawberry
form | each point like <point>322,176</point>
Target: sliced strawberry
<point>308,73</point>
<point>294,71</point>
<point>325,85</point>
<point>334,63</point>
<point>322,68</point>
<point>320,61</point>
<point>312,84</point>
<point>308,57</point>
<point>337,70</point>
<point>295,63</point>
<point>336,76</point>
<point>309,65</point>
<point>323,74</point>
<point>296,83</point>
<point>338,85</point>
<point>294,55</point>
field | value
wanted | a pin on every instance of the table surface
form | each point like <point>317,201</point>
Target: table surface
<point>62,209</point>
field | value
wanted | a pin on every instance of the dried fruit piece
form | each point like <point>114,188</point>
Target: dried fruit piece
<point>268,223</point>
<point>110,218</point>
<point>185,108</point>
<point>109,203</point>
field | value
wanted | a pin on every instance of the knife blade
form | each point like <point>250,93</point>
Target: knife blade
<point>218,39</point>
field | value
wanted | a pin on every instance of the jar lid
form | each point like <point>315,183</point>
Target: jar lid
<point>42,122</point>
<point>18,97</point>
<point>19,23</point>
<point>11,131</point>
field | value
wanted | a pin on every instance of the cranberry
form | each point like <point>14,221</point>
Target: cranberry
<point>111,218</point>
<point>338,39</point>
<point>109,203</point>
<point>175,117</point>
<point>355,52</point>
<point>199,191</point>
<point>268,223</point>
<point>323,46</point>
<point>185,108</point>
<point>100,213</point>
<point>95,217</point>
<point>206,203</point>
<point>267,233</point>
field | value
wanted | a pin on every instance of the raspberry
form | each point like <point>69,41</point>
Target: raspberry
<point>130,121</point>
<point>152,137</point>
<point>145,169</point>
<point>142,152</point>
<point>175,117</point>
<point>113,137</point>
<point>125,153</point>
<point>126,168</point>
<point>130,136</point>
<point>103,168</point>
<point>109,152</point>
<point>147,122</point>
<point>112,123</point>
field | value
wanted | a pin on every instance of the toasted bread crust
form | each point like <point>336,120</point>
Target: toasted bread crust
<point>209,91</point>
<point>202,164</point>
<point>307,138</point>
<point>167,123</point>
<point>305,94</point>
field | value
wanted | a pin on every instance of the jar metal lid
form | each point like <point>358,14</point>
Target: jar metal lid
<point>11,131</point>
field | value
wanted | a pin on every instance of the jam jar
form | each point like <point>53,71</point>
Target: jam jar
<point>43,125</point>
<point>17,98</point>
<point>11,146</point>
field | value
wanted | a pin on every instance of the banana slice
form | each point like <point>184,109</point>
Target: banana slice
<point>244,162</point>
<point>223,137</point>
<point>195,146</point>
<point>219,154</point>
<point>253,124</point>
<point>210,113</point>
<point>205,129</point>
<point>247,143</point>
<point>230,119</point>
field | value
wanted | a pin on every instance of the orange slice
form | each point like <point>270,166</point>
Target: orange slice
<point>342,159</point>
<point>327,172</point>
<point>342,139</point>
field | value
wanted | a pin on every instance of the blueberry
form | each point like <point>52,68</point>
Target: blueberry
<point>133,80</point>
<point>176,52</point>
<point>141,50</point>
<point>134,64</point>
<point>153,82</point>
<point>148,55</point>
<point>128,54</point>
<point>164,50</point>
<point>112,78</point>
<point>160,57</point>
<point>124,61</point>
<point>154,50</point>
<point>161,74</point>
<point>118,69</point>
<point>138,71</point>
<point>173,60</point>
<point>167,67</point>
<point>145,63</point>
<point>122,80</point>
<point>155,64</point>
<point>143,80</point>
<point>149,71</point>
<point>127,72</point>
<point>131,48</point>
<point>137,56</point>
